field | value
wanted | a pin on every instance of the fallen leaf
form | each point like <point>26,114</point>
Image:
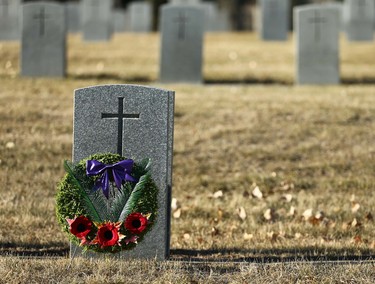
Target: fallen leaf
<point>272,236</point>
<point>214,231</point>
<point>352,198</point>
<point>292,211</point>
<point>174,204</point>
<point>297,236</point>
<point>288,197</point>
<point>186,236</point>
<point>355,207</point>
<point>269,214</point>
<point>257,193</point>
<point>357,239</point>
<point>10,145</point>
<point>247,236</point>
<point>307,214</point>
<point>218,194</point>
<point>177,213</point>
<point>355,223</point>
<point>241,213</point>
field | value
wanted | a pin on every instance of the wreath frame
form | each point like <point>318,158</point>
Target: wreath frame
<point>74,193</point>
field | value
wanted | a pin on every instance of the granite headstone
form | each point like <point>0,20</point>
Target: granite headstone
<point>10,19</point>
<point>140,16</point>
<point>136,122</point>
<point>317,30</point>
<point>43,50</point>
<point>359,18</point>
<point>274,19</point>
<point>182,29</point>
<point>97,20</point>
<point>119,20</point>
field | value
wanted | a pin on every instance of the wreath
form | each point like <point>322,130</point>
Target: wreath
<point>107,203</point>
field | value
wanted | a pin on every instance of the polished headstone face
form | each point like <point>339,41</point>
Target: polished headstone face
<point>136,122</point>
<point>10,19</point>
<point>317,44</point>
<point>274,19</point>
<point>73,17</point>
<point>43,51</point>
<point>140,14</point>
<point>97,20</point>
<point>182,28</point>
<point>359,18</point>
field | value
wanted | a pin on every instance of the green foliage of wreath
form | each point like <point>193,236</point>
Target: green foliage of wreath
<point>75,197</point>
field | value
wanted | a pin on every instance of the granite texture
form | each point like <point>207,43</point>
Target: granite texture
<point>97,20</point>
<point>140,14</point>
<point>43,48</point>
<point>359,19</point>
<point>274,20</point>
<point>10,20</point>
<point>147,132</point>
<point>73,17</point>
<point>317,30</point>
<point>182,29</point>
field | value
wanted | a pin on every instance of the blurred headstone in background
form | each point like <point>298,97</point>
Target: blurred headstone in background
<point>43,51</point>
<point>273,21</point>
<point>182,29</point>
<point>317,30</point>
<point>359,18</point>
<point>73,17</point>
<point>140,14</point>
<point>10,19</point>
<point>97,20</point>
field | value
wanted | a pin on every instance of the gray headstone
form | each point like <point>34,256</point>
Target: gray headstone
<point>140,16</point>
<point>359,18</point>
<point>145,118</point>
<point>119,20</point>
<point>43,51</point>
<point>73,17</point>
<point>10,19</point>
<point>182,28</point>
<point>317,44</point>
<point>97,20</point>
<point>274,19</point>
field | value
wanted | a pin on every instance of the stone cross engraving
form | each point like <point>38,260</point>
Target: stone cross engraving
<point>120,116</point>
<point>5,6</point>
<point>181,20</point>
<point>317,20</point>
<point>42,17</point>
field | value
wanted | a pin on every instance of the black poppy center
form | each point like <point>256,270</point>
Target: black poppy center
<point>108,235</point>
<point>81,228</point>
<point>136,223</point>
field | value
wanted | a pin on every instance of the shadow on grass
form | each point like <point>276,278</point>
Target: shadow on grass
<point>34,250</point>
<point>109,76</point>
<point>272,255</point>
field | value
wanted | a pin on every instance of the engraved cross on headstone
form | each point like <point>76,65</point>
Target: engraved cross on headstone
<point>317,20</point>
<point>42,17</point>
<point>120,116</point>
<point>5,6</point>
<point>181,20</point>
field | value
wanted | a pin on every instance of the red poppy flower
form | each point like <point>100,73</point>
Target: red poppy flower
<point>80,226</point>
<point>108,235</point>
<point>136,223</point>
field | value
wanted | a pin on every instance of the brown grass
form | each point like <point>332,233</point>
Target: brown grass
<point>312,144</point>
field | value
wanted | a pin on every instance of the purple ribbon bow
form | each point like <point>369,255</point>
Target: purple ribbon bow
<point>118,173</point>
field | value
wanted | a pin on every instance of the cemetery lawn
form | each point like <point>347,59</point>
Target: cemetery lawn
<point>263,172</point>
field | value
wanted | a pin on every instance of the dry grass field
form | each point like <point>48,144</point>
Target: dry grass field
<point>264,171</point>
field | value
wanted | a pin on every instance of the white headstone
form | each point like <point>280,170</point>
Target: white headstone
<point>182,29</point>
<point>317,44</point>
<point>274,19</point>
<point>140,16</point>
<point>43,51</point>
<point>97,20</point>
<point>10,19</point>
<point>359,18</point>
